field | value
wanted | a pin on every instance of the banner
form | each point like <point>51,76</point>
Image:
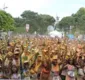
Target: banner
<point>27,27</point>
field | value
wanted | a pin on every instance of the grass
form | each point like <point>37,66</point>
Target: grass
<point>20,30</point>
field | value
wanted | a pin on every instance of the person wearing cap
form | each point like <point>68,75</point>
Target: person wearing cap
<point>38,62</point>
<point>45,54</point>
<point>80,65</point>
<point>55,68</point>
<point>16,58</point>
<point>26,68</point>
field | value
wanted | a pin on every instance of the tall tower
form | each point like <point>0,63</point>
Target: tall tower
<point>4,7</point>
<point>56,22</point>
<point>57,19</point>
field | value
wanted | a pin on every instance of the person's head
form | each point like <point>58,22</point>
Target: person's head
<point>55,59</point>
<point>54,62</point>
<point>7,70</point>
<point>10,55</point>
<point>14,69</point>
<point>26,65</point>
<point>47,65</point>
<point>16,53</point>
<point>70,61</point>
<point>39,59</point>
<point>80,57</point>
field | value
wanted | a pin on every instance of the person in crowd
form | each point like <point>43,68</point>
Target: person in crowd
<point>70,70</point>
<point>45,70</point>
<point>47,58</point>
<point>15,73</point>
<point>55,70</point>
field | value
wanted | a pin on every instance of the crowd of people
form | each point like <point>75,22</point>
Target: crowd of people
<point>42,58</point>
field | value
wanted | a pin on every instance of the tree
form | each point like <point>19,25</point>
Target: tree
<point>46,20</point>
<point>37,22</point>
<point>65,23</point>
<point>80,12</point>
<point>77,20</point>
<point>19,22</point>
<point>6,21</point>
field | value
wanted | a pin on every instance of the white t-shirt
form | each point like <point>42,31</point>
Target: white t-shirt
<point>16,76</point>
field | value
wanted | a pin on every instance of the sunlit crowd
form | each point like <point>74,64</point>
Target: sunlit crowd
<point>42,58</point>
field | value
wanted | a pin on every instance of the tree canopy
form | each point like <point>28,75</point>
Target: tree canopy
<point>6,21</point>
<point>76,20</point>
<point>37,22</point>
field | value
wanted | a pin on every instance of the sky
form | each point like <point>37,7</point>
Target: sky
<point>54,8</point>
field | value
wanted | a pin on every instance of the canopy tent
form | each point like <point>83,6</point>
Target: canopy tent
<point>71,36</point>
<point>55,33</point>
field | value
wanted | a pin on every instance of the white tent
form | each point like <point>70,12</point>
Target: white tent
<point>55,33</point>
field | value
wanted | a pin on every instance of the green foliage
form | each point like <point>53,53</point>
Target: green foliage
<point>6,21</point>
<point>77,20</point>
<point>37,22</point>
<point>20,30</point>
<point>66,22</point>
<point>18,22</point>
<point>80,12</point>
